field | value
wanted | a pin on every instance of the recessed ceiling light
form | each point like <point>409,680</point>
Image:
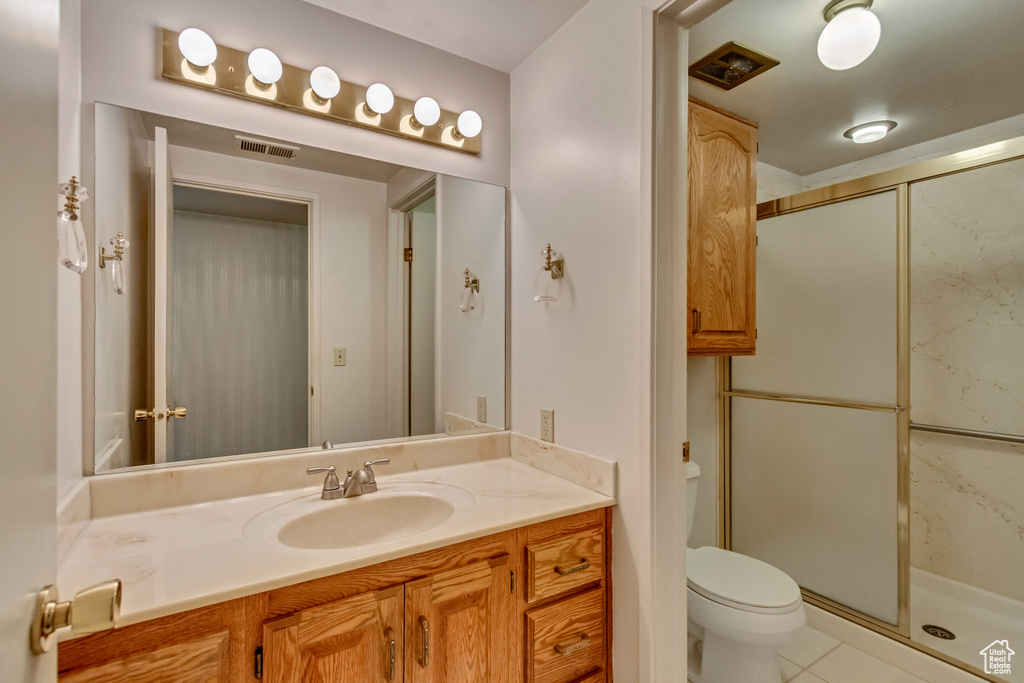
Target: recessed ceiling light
<point>851,34</point>
<point>870,132</point>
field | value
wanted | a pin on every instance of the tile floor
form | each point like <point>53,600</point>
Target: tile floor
<point>813,657</point>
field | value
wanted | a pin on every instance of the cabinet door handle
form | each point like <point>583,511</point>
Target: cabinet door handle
<point>389,634</point>
<point>568,649</point>
<point>696,320</point>
<point>425,637</point>
<point>565,571</point>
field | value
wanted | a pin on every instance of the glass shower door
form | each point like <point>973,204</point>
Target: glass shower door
<point>814,419</point>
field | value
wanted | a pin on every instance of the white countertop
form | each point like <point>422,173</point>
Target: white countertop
<point>180,558</point>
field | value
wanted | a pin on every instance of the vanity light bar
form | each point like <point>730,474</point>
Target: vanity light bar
<point>229,74</point>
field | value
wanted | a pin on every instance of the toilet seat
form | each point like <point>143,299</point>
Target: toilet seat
<point>740,582</point>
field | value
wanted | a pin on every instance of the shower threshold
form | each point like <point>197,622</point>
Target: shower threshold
<point>976,617</point>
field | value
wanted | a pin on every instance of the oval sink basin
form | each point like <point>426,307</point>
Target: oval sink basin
<point>395,511</point>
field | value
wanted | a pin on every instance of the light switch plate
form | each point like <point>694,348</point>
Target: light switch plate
<point>481,409</point>
<point>547,425</point>
<point>340,355</point>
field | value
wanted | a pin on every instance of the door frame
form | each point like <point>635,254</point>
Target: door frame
<point>398,306</point>
<point>312,201</point>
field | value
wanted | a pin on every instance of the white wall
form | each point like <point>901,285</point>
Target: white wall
<point>581,118</point>
<point>471,234</point>
<point>121,66</point>
<point>69,284</point>
<point>353,284</point>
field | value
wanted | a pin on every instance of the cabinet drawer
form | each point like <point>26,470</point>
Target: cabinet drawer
<point>565,640</point>
<point>563,564</point>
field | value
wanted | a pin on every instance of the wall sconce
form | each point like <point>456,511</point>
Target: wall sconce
<point>71,247</point>
<point>471,293</point>
<point>117,272</point>
<point>851,34</point>
<point>260,76</point>
<point>549,288</point>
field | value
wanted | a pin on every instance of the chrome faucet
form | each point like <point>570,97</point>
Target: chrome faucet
<point>332,488</point>
<point>363,481</point>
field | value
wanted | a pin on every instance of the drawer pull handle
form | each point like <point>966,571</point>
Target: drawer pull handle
<point>696,320</point>
<point>564,650</point>
<point>389,634</point>
<point>425,635</point>
<point>565,571</point>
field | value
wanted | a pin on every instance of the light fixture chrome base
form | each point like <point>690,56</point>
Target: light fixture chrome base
<point>836,6</point>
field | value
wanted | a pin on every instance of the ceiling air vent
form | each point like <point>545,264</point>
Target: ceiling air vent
<point>270,149</point>
<point>730,65</point>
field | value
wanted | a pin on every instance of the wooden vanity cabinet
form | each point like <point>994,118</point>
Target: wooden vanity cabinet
<point>481,621</point>
<point>722,238</point>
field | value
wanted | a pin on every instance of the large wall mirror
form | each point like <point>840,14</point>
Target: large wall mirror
<point>271,297</point>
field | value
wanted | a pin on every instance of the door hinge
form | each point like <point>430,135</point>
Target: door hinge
<point>257,668</point>
<point>407,254</point>
<point>512,582</point>
<point>757,240</point>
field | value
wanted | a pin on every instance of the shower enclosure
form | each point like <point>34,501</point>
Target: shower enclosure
<point>873,449</point>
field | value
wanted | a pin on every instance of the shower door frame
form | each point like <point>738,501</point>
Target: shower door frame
<point>898,180</point>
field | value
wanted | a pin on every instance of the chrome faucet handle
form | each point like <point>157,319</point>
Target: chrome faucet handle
<point>332,488</point>
<point>370,484</point>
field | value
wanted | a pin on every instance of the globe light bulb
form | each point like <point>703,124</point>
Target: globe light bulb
<point>469,124</point>
<point>849,38</point>
<point>426,111</point>
<point>379,98</point>
<point>265,66</point>
<point>197,47</point>
<point>325,82</point>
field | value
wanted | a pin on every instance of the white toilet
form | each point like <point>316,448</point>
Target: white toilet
<point>739,611</point>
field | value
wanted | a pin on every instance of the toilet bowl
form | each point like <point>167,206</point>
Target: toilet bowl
<point>739,611</point>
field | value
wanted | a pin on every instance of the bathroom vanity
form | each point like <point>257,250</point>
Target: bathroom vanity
<point>514,586</point>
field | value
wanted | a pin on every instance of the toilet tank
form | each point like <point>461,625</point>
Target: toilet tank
<point>692,475</point>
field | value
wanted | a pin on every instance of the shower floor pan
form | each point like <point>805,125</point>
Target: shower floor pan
<point>976,617</point>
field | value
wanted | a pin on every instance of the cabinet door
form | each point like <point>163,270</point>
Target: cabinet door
<point>459,625</point>
<point>355,639</point>
<point>203,660</point>
<point>722,215</point>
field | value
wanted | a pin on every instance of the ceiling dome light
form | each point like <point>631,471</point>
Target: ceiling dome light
<point>325,82</point>
<point>850,36</point>
<point>265,66</point>
<point>379,98</point>
<point>197,47</point>
<point>870,132</point>
<point>469,124</point>
<point>426,111</point>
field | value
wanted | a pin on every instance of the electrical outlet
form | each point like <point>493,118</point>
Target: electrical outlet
<point>547,425</point>
<point>340,355</point>
<point>481,409</point>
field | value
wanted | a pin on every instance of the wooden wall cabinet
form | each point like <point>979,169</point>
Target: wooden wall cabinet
<point>722,238</point>
<point>526,605</point>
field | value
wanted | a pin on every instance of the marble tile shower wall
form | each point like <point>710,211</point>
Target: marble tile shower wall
<point>967,371</point>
